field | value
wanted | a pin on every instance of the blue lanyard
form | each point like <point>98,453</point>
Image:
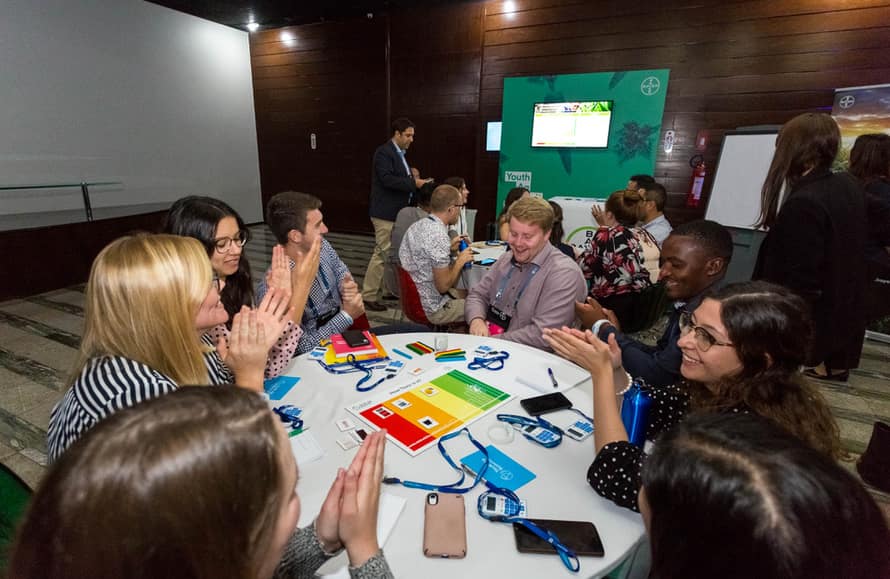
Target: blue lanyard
<point>537,422</point>
<point>455,487</point>
<point>568,557</point>
<point>505,280</point>
<point>353,365</point>
<point>584,416</point>
<point>322,279</point>
<point>495,361</point>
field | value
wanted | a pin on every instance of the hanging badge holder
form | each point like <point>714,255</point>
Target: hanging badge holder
<point>498,322</point>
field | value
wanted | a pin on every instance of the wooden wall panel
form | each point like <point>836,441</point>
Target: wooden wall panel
<point>733,63</point>
<point>327,79</point>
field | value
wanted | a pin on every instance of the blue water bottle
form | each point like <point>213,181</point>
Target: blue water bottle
<point>462,245</point>
<point>635,412</point>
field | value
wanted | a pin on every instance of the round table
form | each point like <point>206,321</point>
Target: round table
<point>474,274</point>
<point>559,491</point>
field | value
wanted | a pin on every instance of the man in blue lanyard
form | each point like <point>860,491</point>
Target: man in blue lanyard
<point>392,186</point>
<point>532,287</point>
<point>334,301</point>
<point>425,254</point>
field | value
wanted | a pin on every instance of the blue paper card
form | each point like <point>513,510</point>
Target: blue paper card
<point>502,471</point>
<point>276,388</point>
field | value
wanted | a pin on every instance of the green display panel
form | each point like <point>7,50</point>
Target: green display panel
<point>596,165</point>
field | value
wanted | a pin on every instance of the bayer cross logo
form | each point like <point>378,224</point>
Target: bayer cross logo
<point>650,85</point>
<point>846,101</point>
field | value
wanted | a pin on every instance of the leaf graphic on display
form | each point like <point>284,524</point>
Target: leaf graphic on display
<point>616,78</point>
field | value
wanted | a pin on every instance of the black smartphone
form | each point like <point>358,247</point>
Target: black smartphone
<point>546,403</point>
<point>355,338</point>
<point>579,536</point>
<point>486,261</point>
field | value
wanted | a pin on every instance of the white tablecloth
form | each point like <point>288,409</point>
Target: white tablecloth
<point>560,490</point>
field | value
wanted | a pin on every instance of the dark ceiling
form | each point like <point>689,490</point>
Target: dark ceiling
<point>278,13</point>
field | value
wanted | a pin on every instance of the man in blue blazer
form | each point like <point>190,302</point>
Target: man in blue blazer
<point>392,185</point>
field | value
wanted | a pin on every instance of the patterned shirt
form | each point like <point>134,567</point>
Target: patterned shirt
<point>614,263</point>
<point>109,383</point>
<point>426,246</point>
<point>281,353</point>
<point>322,316</point>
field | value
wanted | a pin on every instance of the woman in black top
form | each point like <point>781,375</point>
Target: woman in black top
<point>742,350</point>
<point>870,164</point>
<point>816,240</point>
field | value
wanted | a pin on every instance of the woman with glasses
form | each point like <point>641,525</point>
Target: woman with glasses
<point>223,233</point>
<point>198,484</point>
<point>150,300</point>
<point>742,352</point>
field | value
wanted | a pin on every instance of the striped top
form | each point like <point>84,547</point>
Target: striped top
<point>109,383</point>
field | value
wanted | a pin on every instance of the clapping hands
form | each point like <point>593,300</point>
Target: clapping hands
<point>351,297</point>
<point>279,273</point>
<point>254,332</point>
<point>585,349</point>
<point>348,517</point>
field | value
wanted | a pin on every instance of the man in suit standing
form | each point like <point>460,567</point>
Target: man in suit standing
<point>392,185</point>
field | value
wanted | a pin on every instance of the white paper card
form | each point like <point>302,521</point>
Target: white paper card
<point>305,448</point>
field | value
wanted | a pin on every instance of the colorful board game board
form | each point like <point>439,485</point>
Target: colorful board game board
<point>417,414</point>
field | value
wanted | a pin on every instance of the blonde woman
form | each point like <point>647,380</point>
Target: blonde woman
<point>149,301</point>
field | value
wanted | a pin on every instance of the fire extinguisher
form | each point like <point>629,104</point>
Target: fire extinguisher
<point>693,198</point>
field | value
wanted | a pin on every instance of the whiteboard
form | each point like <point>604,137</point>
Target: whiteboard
<point>741,171</point>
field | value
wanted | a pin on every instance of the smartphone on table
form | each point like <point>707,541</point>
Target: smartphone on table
<point>579,536</point>
<point>445,526</point>
<point>546,403</point>
<point>355,338</point>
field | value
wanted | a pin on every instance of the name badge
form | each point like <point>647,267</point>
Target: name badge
<point>498,322</point>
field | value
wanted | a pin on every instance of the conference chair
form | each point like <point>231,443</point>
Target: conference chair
<point>409,299</point>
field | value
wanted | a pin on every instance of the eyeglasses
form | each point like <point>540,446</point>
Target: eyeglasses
<point>224,244</point>
<point>703,338</point>
<point>217,283</point>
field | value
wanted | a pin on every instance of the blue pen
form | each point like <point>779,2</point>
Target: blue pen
<point>552,377</point>
<point>402,354</point>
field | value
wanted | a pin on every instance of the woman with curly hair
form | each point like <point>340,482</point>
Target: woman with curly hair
<point>742,352</point>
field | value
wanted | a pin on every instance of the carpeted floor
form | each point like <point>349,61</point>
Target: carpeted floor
<point>39,336</point>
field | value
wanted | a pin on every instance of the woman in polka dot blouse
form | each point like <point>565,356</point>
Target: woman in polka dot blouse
<point>742,352</point>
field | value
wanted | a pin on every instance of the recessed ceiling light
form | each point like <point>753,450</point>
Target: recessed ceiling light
<point>253,26</point>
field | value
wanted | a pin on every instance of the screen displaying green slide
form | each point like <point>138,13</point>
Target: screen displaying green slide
<point>579,135</point>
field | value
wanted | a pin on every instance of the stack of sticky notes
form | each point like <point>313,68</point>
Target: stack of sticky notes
<point>454,355</point>
<point>419,348</point>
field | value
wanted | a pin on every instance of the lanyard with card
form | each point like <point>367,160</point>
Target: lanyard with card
<point>496,316</point>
